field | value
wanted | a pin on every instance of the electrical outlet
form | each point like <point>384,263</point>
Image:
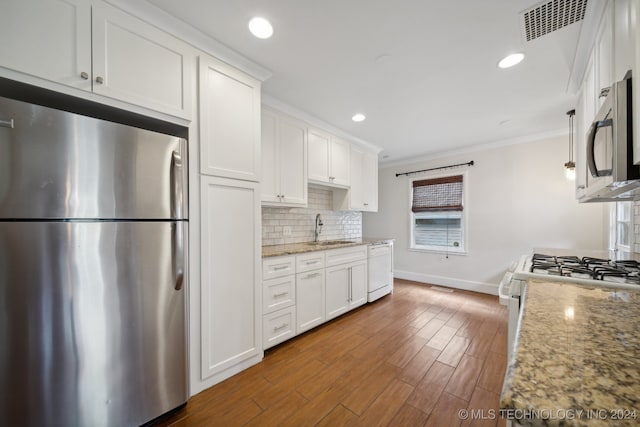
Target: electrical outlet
<point>286,231</point>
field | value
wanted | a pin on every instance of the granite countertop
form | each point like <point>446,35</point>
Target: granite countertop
<point>298,248</point>
<point>577,358</point>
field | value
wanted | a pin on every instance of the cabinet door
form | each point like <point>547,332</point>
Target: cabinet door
<point>50,39</point>
<point>580,148</point>
<point>358,284</point>
<point>604,55</point>
<point>293,162</point>
<point>278,293</point>
<point>310,299</point>
<point>370,182</point>
<point>279,326</point>
<point>337,293</point>
<point>140,64</point>
<point>634,11</point>
<point>270,176</point>
<point>231,293</point>
<point>623,38</point>
<point>229,122</point>
<point>339,173</point>
<point>356,192</point>
<point>319,146</point>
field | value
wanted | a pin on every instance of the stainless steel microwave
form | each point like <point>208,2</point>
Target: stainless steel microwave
<point>611,174</point>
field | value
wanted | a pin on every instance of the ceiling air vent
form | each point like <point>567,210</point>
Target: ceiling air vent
<point>551,16</point>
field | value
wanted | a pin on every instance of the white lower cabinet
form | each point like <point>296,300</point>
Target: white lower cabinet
<point>231,295</point>
<point>310,290</point>
<point>359,281</point>
<point>346,288</point>
<point>279,326</point>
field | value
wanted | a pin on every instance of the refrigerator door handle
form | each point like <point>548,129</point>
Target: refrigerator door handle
<point>177,255</point>
<point>175,176</point>
<point>7,123</point>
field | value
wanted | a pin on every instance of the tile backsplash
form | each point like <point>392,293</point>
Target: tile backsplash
<point>299,223</point>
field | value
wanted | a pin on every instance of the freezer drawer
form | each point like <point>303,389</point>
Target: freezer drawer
<point>59,165</point>
<point>92,327</point>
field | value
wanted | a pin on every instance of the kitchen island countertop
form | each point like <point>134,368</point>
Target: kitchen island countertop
<point>577,357</point>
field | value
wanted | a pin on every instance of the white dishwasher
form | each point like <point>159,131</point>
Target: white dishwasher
<point>380,270</point>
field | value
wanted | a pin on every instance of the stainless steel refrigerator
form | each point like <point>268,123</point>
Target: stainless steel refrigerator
<point>93,238</point>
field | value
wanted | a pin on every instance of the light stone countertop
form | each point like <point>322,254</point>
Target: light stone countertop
<point>298,248</point>
<point>578,349</point>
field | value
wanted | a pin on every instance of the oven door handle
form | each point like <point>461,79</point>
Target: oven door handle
<point>591,142</point>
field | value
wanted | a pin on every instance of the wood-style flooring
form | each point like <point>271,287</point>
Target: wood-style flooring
<point>414,358</point>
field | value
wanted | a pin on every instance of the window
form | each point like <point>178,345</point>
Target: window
<point>623,225</point>
<point>437,214</point>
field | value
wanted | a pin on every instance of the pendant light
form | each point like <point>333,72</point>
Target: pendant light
<point>570,166</point>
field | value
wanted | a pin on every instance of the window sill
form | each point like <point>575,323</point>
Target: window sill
<point>439,251</point>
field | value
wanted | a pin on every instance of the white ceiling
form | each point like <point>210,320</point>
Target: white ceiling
<point>422,71</point>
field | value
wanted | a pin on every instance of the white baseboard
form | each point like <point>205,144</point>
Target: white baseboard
<point>467,285</point>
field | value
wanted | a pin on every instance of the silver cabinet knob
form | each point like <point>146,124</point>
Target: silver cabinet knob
<point>99,80</point>
<point>84,76</point>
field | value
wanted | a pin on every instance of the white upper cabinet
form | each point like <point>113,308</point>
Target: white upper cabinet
<point>50,39</point>
<point>93,46</point>
<point>623,37</point>
<point>284,160</point>
<point>634,49</point>
<point>604,56</point>
<point>363,195</point>
<point>328,159</point>
<point>229,121</point>
<point>140,64</point>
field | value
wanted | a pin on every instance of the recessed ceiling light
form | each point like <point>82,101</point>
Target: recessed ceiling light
<point>511,60</point>
<point>359,117</point>
<point>260,27</point>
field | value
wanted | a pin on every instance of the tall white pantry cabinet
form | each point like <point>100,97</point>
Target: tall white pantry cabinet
<point>230,159</point>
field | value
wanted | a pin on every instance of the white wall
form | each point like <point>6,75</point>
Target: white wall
<point>518,199</point>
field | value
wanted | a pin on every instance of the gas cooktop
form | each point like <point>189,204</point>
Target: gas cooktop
<point>590,268</point>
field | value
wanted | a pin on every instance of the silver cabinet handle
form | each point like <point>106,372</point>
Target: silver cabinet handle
<point>277,328</point>
<point>84,76</point>
<point>312,275</point>
<point>7,123</point>
<point>284,267</point>
<point>99,80</point>
<point>281,294</point>
<point>350,284</point>
<point>311,262</point>
<point>177,242</point>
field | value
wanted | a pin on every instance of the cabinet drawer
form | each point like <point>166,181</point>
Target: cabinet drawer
<point>344,255</point>
<point>278,267</point>
<point>278,293</point>
<point>308,262</point>
<point>279,326</point>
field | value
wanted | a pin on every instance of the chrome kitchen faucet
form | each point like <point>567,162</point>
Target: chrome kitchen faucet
<point>319,225</point>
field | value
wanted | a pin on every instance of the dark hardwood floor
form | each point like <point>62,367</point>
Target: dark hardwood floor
<point>415,358</point>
